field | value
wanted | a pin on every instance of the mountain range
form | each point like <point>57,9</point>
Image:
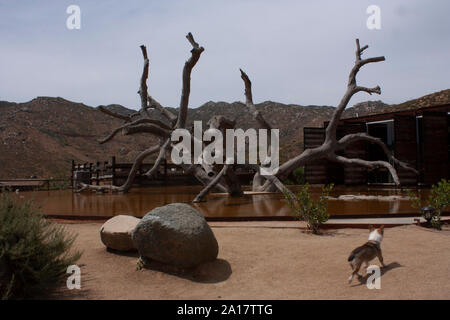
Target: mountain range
<point>41,137</point>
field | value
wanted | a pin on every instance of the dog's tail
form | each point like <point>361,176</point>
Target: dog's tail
<point>351,257</point>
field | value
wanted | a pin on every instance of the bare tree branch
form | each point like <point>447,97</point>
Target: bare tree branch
<point>169,115</point>
<point>230,179</point>
<point>114,114</point>
<point>258,179</point>
<point>211,184</point>
<point>147,128</point>
<point>328,149</point>
<point>351,90</point>
<point>161,156</point>
<point>368,164</point>
<point>249,102</point>
<point>188,66</point>
<point>376,90</point>
<point>280,186</point>
<point>147,125</point>
<point>143,90</point>
<point>128,183</point>
<point>136,122</point>
<point>351,138</point>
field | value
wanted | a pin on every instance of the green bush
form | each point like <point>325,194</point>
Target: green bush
<point>298,177</point>
<point>34,252</point>
<point>439,198</point>
<point>303,207</point>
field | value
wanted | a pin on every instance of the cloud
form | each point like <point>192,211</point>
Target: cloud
<point>294,52</point>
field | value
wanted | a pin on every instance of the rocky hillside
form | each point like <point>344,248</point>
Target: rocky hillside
<point>373,107</point>
<point>42,136</point>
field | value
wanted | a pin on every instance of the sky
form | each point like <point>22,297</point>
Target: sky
<point>295,52</point>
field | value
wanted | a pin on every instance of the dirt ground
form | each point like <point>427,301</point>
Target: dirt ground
<point>272,263</point>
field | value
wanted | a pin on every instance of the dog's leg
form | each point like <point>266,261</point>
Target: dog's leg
<point>350,278</point>
<point>380,257</point>
<point>353,268</point>
<point>357,265</point>
<point>366,265</point>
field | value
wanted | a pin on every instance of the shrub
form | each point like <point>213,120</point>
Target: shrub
<point>303,207</point>
<point>34,252</point>
<point>439,198</point>
<point>298,177</point>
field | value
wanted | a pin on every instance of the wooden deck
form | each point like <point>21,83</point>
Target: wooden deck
<point>114,173</point>
<point>25,184</point>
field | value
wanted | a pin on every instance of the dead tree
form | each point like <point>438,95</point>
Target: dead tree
<point>141,122</point>
<point>331,146</point>
<point>224,179</point>
<point>328,150</point>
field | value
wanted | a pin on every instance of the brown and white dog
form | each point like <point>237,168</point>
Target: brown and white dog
<point>367,252</point>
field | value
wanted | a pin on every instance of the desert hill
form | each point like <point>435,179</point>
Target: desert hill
<point>42,136</point>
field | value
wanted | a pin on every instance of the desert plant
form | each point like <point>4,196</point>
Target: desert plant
<point>439,198</point>
<point>303,207</point>
<point>298,177</point>
<point>34,252</point>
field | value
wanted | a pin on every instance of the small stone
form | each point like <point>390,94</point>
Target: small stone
<point>116,232</point>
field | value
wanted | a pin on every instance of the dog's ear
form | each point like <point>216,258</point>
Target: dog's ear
<point>371,228</point>
<point>381,228</point>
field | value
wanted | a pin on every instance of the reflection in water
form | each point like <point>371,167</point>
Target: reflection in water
<point>141,200</point>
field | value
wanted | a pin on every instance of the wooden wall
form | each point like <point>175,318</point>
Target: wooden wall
<point>315,172</point>
<point>434,147</point>
<point>431,156</point>
<point>324,171</point>
<point>405,147</point>
<point>354,175</point>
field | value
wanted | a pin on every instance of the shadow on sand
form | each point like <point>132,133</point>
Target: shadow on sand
<point>210,272</point>
<point>363,279</point>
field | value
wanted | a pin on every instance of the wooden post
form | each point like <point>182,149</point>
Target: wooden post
<point>165,170</point>
<point>97,171</point>
<point>105,169</point>
<point>90,172</point>
<point>113,170</point>
<point>71,175</point>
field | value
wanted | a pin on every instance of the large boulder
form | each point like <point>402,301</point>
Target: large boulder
<point>177,235</point>
<point>116,232</point>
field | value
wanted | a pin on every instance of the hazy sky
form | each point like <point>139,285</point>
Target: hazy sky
<point>294,51</point>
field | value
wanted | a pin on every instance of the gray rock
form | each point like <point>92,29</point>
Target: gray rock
<point>175,234</point>
<point>116,232</point>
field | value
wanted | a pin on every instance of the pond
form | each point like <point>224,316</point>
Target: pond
<point>345,201</point>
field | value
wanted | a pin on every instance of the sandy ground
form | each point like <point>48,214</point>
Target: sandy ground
<point>272,263</point>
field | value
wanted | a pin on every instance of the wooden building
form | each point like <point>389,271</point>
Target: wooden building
<point>418,135</point>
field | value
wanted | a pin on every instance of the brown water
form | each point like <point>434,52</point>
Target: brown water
<point>139,201</point>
